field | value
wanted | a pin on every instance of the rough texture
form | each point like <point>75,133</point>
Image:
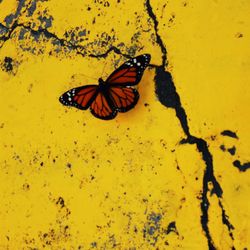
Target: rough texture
<point>173,173</point>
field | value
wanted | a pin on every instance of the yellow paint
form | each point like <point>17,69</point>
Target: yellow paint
<point>69,180</point>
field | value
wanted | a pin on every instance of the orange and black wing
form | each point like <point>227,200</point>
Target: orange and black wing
<point>123,98</point>
<point>129,73</point>
<point>102,107</point>
<point>90,97</point>
<point>80,97</point>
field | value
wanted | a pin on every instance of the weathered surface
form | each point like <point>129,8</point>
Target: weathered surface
<point>173,173</point>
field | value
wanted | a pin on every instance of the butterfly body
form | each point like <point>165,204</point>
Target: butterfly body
<point>114,95</point>
<point>103,86</point>
<point>101,83</point>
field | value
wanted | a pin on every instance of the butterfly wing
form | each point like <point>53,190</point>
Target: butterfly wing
<point>129,73</point>
<point>102,107</point>
<point>80,97</point>
<point>90,97</point>
<point>124,98</point>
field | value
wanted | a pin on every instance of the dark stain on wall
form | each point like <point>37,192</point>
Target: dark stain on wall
<point>229,133</point>
<point>172,228</point>
<point>152,228</point>
<point>231,150</point>
<point>7,64</point>
<point>10,18</point>
<point>242,167</point>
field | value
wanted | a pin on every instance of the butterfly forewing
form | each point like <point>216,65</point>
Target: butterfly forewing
<point>129,73</point>
<point>80,97</point>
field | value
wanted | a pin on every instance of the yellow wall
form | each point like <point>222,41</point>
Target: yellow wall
<point>71,181</point>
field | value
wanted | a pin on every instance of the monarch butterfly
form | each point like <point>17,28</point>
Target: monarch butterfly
<point>113,95</point>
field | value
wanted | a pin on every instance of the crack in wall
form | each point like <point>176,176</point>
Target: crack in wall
<point>168,96</point>
<point>159,41</point>
<point>12,23</point>
<point>10,26</point>
<point>111,49</point>
<point>81,50</point>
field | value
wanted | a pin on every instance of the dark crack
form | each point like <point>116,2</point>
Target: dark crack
<point>112,48</point>
<point>168,96</point>
<point>79,49</point>
<point>225,220</point>
<point>12,24</point>
<point>45,32</point>
<point>158,37</point>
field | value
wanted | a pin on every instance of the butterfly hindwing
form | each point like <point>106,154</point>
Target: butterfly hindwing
<point>80,97</point>
<point>124,98</point>
<point>130,73</point>
<point>102,107</point>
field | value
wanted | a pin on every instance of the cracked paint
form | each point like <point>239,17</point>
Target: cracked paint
<point>170,174</point>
